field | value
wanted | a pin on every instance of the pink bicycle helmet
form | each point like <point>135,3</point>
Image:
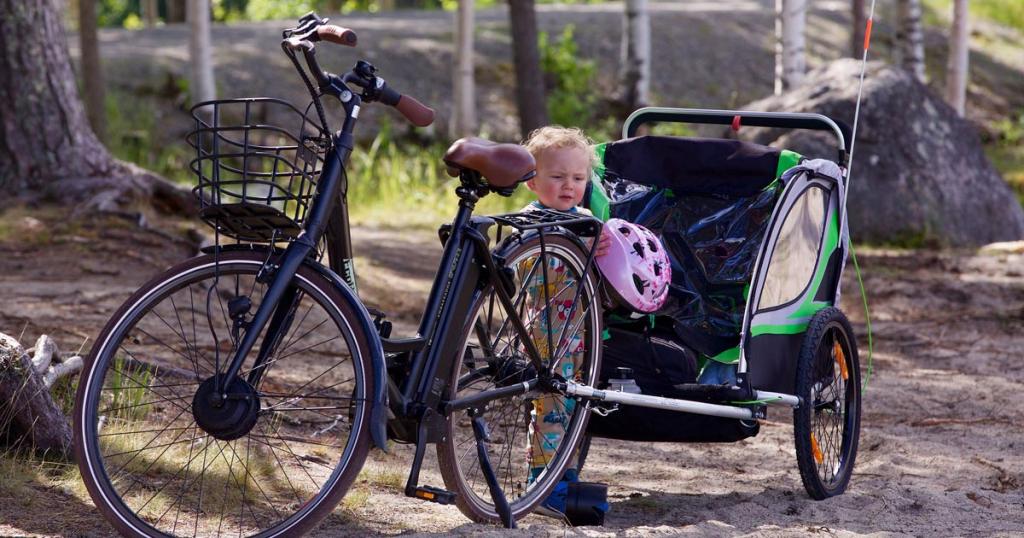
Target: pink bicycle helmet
<point>636,265</point>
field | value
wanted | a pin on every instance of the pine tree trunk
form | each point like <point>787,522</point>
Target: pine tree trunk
<point>47,149</point>
<point>859,26</point>
<point>29,418</point>
<point>636,54</point>
<point>790,53</point>
<point>149,13</point>
<point>959,48</point>
<point>530,94</point>
<point>92,69</point>
<point>175,11</point>
<point>910,39</point>
<point>201,85</point>
<point>464,116</point>
<point>331,7</point>
<point>45,134</point>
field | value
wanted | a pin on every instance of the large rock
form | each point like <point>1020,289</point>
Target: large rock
<point>919,173</point>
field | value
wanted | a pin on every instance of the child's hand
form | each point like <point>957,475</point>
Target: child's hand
<point>603,243</point>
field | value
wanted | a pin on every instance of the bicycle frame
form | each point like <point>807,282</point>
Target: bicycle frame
<point>466,269</point>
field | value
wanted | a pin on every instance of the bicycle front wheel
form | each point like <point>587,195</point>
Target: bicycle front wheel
<point>160,451</point>
<point>532,437</point>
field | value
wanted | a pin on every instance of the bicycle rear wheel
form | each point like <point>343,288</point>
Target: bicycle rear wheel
<point>534,436</point>
<point>161,454</point>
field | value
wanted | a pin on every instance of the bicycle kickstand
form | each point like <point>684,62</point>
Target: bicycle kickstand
<point>497,495</point>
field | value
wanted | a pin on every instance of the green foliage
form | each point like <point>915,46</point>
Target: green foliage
<point>1008,12</point>
<point>569,80</point>
<point>114,12</point>
<point>134,134</point>
<point>1011,130</point>
<point>261,10</point>
<point>672,129</point>
<point>1007,155</point>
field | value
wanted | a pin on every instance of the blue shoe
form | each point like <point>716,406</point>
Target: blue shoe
<point>575,502</point>
<point>556,499</point>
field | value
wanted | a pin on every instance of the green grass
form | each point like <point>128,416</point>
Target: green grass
<point>23,473</point>
<point>404,184</point>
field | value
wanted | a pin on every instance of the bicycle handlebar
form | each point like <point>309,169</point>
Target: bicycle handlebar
<point>337,34</point>
<point>363,75</point>
<point>416,112</point>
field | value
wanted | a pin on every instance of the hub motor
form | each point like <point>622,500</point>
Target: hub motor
<point>229,413</point>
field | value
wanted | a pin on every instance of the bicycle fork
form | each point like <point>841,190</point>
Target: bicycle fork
<point>280,288</point>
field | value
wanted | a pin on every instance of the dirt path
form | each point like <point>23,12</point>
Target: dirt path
<point>940,446</point>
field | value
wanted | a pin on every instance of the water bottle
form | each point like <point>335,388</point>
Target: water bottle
<point>624,382</point>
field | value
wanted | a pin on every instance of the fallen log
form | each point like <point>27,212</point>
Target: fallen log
<point>29,417</point>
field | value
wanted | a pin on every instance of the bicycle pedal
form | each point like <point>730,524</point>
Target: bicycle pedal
<point>434,495</point>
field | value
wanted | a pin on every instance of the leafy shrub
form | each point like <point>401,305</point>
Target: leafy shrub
<point>569,80</point>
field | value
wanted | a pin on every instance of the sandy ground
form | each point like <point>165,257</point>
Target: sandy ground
<point>941,433</point>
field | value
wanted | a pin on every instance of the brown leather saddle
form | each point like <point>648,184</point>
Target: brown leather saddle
<point>502,166</point>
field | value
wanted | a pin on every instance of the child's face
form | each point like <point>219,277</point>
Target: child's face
<point>562,175</point>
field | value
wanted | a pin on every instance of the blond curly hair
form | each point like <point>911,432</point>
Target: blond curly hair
<point>556,136</point>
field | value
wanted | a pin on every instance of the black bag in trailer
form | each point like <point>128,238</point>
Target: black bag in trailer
<point>658,363</point>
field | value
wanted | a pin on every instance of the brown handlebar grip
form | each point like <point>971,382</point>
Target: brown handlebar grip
<point>416,112</point>
<point>337,34</point>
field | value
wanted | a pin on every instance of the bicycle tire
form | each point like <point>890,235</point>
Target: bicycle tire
<point>457,454</point>
<point>137,397</point>
<point>826,426</point>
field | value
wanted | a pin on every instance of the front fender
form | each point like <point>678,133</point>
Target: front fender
<point>379,411</point>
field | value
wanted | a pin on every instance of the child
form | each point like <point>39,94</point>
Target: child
<point>564,165</point>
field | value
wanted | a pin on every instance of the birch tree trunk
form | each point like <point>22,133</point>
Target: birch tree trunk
<point>636,54</point>
<point>790,48</point>
<point>910,39</point>
<point>860,20</point>
<point>464,116</point>
<point>959,47</point>
<point>93,92</point>
<point>201,84</point>
<point>530,94</point>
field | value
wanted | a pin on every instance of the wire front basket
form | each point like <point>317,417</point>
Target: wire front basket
<point>258,161</point>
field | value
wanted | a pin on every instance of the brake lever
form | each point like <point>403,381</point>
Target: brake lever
<point>307,26</point>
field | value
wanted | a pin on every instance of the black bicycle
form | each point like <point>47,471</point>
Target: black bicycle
<point>240,391</point>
